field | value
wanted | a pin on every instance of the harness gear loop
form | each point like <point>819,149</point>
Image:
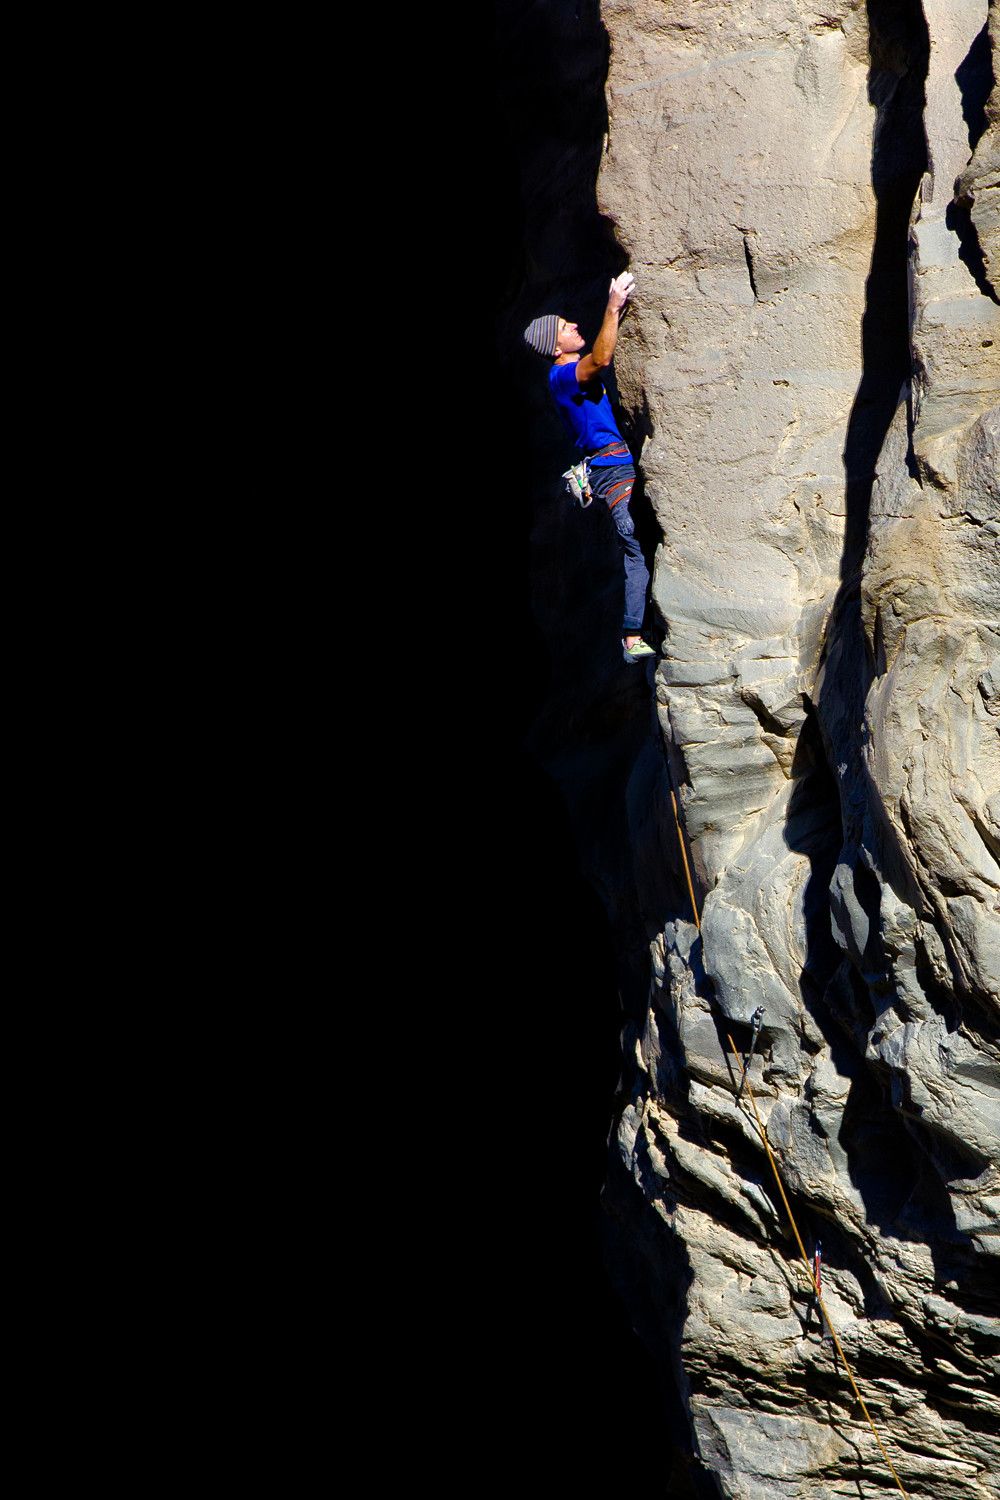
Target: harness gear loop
<point>578,483</point>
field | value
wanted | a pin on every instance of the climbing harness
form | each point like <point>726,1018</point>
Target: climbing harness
<point>756,1021</point>
<point>814,1270</point>
<point>578,483</point>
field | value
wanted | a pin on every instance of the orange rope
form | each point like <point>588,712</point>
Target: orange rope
<point>802,1250</point>
<point>687,871</point>
<point>777,1175</point>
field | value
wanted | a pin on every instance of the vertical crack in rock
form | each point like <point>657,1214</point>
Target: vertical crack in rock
<point>749,256</point>
<point>898,56</point>
<point>899,49</point>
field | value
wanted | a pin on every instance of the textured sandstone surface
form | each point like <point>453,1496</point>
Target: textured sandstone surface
<point>809,197</point>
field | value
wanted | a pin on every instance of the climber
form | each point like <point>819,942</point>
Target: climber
<point>578,389</point>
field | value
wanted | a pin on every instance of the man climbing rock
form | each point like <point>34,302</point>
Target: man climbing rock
<point>578,390</point>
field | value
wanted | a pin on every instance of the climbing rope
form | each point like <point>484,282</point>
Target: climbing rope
<point>814,1279</point>
<point>680,840</point>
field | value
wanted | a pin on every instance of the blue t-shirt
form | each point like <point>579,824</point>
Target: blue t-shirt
<point>587,413</point>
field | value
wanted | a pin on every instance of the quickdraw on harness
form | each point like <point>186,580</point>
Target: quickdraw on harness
<point>578,477</point>
<point>578,483</point>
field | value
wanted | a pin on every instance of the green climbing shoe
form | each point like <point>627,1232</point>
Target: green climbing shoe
<point>636,652</point>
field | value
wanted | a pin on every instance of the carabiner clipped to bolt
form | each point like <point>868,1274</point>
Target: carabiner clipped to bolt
<point>756,1022</point>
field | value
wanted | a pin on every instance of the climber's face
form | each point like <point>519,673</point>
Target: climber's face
<point>570,340</point>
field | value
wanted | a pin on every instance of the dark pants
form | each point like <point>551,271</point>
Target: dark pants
<point>613,485</point>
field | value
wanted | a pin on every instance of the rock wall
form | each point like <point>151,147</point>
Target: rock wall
<point>809,198</point>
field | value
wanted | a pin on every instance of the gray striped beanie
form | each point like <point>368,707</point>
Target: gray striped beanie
<point>543,334</point>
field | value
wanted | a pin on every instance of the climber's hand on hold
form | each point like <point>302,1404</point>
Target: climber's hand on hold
<point>604,345</point>
<point>621,289</point>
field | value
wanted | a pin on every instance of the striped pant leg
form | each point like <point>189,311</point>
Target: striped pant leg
<point>614,487</point>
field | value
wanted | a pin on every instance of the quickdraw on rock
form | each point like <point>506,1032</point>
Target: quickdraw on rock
<point>756,1022</point>
<point>817,1273</point>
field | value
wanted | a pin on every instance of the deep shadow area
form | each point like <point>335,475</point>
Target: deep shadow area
<point>585,1405</point>
<point>583,1380</point>
<point>958,217</point>
<point>974,76</point>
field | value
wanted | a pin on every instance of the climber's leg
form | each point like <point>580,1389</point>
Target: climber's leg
<point>636,572</point>
<point>614,486</point>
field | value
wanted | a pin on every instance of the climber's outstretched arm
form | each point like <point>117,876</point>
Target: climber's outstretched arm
<point>604,345</point>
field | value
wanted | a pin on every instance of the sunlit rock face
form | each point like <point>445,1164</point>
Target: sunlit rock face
<point>809,196</point>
